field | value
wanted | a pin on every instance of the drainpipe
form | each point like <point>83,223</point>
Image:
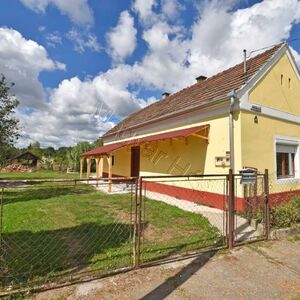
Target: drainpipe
<point>231,131</point>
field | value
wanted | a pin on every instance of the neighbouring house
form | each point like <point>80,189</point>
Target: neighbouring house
<point>23,162</point>
<point>245,116</point>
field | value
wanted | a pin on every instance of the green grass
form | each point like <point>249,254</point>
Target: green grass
<point>51,230</point>
<point>38,174</point>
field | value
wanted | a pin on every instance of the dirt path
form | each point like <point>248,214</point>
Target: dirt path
<point>268,270</point>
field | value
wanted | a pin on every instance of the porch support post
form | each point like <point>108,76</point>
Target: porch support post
<point>109,159</point>
<point>100,167</point>
<point>88,172</point>
<point>97,169</point>
<point>81,167</point>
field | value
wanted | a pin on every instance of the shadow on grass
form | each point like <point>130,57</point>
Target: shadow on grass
<point>38,256</point>
<point>13,195</point>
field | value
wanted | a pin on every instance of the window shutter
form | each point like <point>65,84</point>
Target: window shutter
<point>285,148</point>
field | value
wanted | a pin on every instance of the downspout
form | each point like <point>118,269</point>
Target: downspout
<point>231,131</point>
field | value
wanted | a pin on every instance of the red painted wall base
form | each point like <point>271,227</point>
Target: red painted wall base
<point>210,198</point>
<point>201,197</point>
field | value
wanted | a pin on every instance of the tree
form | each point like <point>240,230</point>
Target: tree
<point>98,142</point>
<point>9,129</point>
<point>9,124</point>
<point>35,148</point>
<point>73,154</point>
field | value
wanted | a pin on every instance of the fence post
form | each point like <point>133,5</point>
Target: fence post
<point>267,204</point>
<point>135,262</point>
<point>138,222</point>
<point>230,233</point>
<point>140,204</point>
<point>1,229</point>
<point>1,217</point>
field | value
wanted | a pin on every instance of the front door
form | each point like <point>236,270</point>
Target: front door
<point>135,161</point>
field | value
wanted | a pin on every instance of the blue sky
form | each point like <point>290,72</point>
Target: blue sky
<point>80,66</point>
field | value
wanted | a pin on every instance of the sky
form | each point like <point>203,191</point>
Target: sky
<point>81,66</point>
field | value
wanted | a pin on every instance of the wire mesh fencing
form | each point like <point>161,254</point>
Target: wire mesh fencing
<point>57,231</point>
<point>181,215</point>
<point>60,231</point>
<point>251,209</point>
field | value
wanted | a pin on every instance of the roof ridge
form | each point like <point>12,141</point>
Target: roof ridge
<point>224,71</point>
<point>216,85</point>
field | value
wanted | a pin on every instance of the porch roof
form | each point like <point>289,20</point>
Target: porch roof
<point>106,149</point>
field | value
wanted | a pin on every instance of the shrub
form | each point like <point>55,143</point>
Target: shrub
<point>287,214</point>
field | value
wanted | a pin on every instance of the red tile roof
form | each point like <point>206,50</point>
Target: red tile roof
<point>155,137</point>
<point>208,90</point>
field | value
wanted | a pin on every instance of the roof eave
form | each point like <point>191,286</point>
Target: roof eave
<point>205,104</point>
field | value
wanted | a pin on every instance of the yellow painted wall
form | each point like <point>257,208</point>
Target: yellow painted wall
<point>258,144</point>
<point>271,93</point>
<point>121,162</point>
<point>180,158</point>
<point>195,157</point>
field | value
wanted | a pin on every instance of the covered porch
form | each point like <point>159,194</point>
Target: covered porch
<point>103,157</point>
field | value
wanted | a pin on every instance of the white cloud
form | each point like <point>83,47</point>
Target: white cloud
<point>144,8</point>
<point>21,61</point>
<point>81,109</point>
<point>83,41</point>
<point>77,10</point>
<point>41,28</point>
<point>171,8</point>
<point>217,45</point>
<point>122,38</point>
<point>53,39</point>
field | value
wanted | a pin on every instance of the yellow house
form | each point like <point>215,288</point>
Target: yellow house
<point>245,116</point>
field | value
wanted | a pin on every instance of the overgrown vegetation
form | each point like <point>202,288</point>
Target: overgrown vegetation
<point>287,214</point>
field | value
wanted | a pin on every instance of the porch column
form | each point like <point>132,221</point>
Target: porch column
<point>81,167</point>
<point>88,171</point>
<point>97,169</point>
<point>109,160</point>
<point>100,166</point>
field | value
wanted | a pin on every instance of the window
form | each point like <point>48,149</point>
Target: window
<point>281,79</point>
<point>113,160</point>
<point>285,159</point>
<point>289,83</point>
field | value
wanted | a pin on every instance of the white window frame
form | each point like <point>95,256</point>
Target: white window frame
<point>285,140</point>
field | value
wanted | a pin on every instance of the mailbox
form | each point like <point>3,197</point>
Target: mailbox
<point>248,176</point>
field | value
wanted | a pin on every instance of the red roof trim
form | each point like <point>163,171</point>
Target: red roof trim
<point>156,137</point>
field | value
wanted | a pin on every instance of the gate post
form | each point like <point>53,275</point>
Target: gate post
<point>230,233</point>
<point>137,223</point>
<point>1,218</point>
<point>2,262</point>
<point>267,204</point>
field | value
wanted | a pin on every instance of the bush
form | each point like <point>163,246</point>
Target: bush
<point>287,214</point>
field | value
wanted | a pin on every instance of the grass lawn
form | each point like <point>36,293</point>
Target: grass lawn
<point>38,174</point>
<point>51,230</point>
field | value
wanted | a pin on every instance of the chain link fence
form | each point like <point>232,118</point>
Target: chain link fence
<point>194,209</point>
<point>58,231</point>
<point>251,209</point>
<point>64,230</point>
